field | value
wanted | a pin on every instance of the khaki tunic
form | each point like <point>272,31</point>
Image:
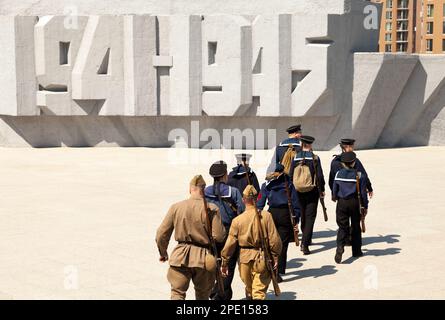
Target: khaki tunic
<point>245,231</point>
<point>188,219</point>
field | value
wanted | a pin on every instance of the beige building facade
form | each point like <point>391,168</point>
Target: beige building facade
<point>412,26</point>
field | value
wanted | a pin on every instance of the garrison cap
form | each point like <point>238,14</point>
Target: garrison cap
<point>347,142</point>
<point>250,192</point>
<point>294,129</point>
<point>348,157</point>
<point>279,168</point>
<point>198,181</point>
<point>218,169</point>
<point>243,157</point>
<point>307,139</point>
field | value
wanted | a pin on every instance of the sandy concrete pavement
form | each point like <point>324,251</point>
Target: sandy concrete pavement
<point>80,224</point>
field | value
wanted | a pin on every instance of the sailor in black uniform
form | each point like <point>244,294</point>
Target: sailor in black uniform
<point>275,193</point>
<point>346,192</point>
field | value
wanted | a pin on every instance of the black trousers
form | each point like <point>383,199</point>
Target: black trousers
<point>284,227</point>
<point>309,205</point>
<point>228,293</point>
<point>349,210</point>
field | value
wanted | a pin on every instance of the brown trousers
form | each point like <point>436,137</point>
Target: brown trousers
<point>256,283</point>
<point>179,278</point>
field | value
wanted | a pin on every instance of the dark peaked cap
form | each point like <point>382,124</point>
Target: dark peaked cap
<point>218,169</point>
<point>347,142</point>
<point>348,157</point>
<point>294,129</point>
<point>307,139</point>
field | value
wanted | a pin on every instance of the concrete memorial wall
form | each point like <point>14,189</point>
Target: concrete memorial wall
<point>146,73</point>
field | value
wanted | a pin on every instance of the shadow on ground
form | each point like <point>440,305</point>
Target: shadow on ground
<point>332,244</point>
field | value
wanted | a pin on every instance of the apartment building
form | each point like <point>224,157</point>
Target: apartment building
<point>412,26</point>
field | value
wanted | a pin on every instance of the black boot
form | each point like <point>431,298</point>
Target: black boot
<point>339,254</point>
<point>306,250</point>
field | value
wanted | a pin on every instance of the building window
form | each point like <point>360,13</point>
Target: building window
<point>388,15</point>
<point>443,45</point>
<point>429,27</point>
<point>429,45</point>
<point>444,9</point>
<point>402,47</point>
<point>388,26</point>
<point>402,4</point>
<point>389,4</point>
<point>430,10</point>
<point>443,27</point>
<point>402,25</point>
<point>388,37</point>
<point>388,48</point>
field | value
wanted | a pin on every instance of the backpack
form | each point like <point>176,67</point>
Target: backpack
<point>302,180</point>
<point>288,158</point>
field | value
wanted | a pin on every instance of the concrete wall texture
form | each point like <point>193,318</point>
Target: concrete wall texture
<point>132,73</point>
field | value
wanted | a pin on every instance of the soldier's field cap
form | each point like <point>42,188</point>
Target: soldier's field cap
<point>198,181</point>
<point>218,169</point>
<point>347,142</point>
<point>294,129</point>
<point>307,139</point>
<point>250,192</point>
<point>348,157</point>
<point>243,157</point>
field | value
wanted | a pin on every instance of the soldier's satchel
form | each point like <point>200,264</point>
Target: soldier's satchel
<point>259,265</point>
<point>289,155</point>
<point>303,180</point>
<point>210,262</point>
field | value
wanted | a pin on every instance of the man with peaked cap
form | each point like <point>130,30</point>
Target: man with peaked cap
<point>237,177</point>
<point>345,192</point>
<point>274,192</point>
<point>229,201</point>
<point>191,259</point>
<point>293,139</point>
<point>347,145</point>
<point>244,233</point>
<point>310,195</point>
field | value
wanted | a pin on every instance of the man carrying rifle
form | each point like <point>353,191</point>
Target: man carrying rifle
<point>284,206</point>
<point>347,145</point>
<point>254,267</point>
<point>192,259</point>
<point>229,201</point>
<point>349,190</point>
<point>308,179</point>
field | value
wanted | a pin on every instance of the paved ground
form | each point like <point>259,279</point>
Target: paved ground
<point>80,223</point>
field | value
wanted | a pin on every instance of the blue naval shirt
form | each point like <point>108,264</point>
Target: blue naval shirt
<point>282,148</point>
<point>274,191</point>
<point>229,195</point>
<point>336,166</point>
<point>344,186</point>
<point>237,178</point>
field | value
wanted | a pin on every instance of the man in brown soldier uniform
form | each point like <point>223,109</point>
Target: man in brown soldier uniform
<point>244,232</point>
<point>191,259</point>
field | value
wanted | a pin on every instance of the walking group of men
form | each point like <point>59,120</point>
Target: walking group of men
<point>224,224</point>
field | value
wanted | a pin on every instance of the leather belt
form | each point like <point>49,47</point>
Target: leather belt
<point>196,244</point>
